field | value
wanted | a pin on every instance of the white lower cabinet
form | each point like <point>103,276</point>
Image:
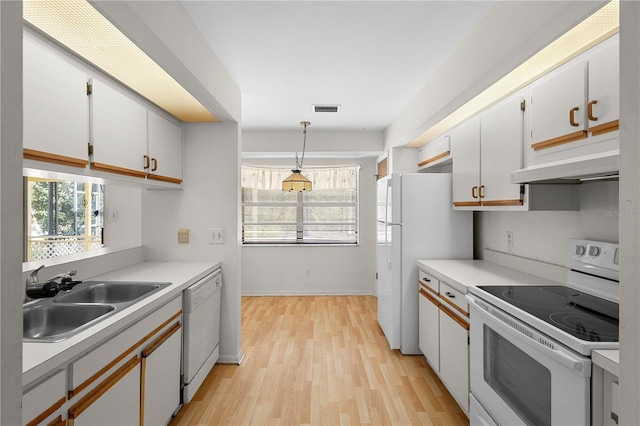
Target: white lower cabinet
<point>42,403</point>
<point>112,402</point>
<point>132,378</point>
<point>444,335</point>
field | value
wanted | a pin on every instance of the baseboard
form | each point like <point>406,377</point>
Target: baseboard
<point>298,293</point>
<point>230,359</point>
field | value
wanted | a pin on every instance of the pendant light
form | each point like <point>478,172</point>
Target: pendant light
<point>296,181</point>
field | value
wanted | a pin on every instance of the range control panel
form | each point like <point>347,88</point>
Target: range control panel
<point>595,258</point>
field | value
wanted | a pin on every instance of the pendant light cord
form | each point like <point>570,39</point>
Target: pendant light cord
<point>304,143</point>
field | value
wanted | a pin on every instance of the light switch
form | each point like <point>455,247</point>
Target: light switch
<point>183,235</point>
<point>216,235</point>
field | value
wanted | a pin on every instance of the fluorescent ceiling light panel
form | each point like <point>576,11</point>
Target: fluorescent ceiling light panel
<point>81,28</point>
<point>596,28</point>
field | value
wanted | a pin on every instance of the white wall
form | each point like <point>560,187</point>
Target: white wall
<point>209,199</point>
<point>12,290</point>
<point>276,270</point>
<point>543,235</point>
<point>123,216</point>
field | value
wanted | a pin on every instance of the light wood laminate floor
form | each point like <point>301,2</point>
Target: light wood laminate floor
<point>319,360</point>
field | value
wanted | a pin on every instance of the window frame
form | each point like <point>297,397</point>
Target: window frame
<point>300,205</point>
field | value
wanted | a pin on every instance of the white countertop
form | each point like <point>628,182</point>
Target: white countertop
<point>462,274</point>
<point>40,358</point>
<point>608,360</point>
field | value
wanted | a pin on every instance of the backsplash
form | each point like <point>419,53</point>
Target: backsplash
<point>543,235</point>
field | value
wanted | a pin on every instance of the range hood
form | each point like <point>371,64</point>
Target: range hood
<point>604,165</point>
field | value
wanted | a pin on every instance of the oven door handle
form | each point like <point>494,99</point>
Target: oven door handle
<point>514,328</point>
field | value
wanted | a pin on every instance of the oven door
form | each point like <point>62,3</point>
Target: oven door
<point>520,376</point>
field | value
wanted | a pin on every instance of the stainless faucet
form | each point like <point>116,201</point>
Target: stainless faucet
<point>36,289</point>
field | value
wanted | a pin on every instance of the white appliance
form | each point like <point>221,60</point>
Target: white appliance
<point>415,221</point>
<point>530,352</point>
<point>201,312</point>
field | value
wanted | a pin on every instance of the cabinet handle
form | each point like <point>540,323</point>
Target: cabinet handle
<point>146,162</point>
<point>427,280</point>
<point>590,110</point>
<point>155,164</point>
<point>451,295</point>
<point>481,191</point>
<point>474,191</point>
<point>572,116</point>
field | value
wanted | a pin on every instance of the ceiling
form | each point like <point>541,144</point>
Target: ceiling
<point>369,57</point>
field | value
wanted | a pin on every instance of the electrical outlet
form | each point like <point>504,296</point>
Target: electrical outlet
<point>308,272</point>
<point>113,215</point>
<point>510,241</point>
<point>216,235</point>
<point>183,236</point>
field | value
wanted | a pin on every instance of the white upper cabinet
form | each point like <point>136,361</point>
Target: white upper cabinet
<point>603,108</point>
<point>119,131</point>
<point>465,146</point>
<point>165,149</point>
<point>56,106</point>
<point>558,108</point>
<point>501,136</point>
<point>435,153</point>
<point>485,150</point>
<point>575,109</point>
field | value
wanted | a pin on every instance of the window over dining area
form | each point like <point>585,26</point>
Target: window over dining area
<point>328,214</point>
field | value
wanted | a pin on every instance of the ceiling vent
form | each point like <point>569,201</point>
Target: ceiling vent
<point>326,108</point>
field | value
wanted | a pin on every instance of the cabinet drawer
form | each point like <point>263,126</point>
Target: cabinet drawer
<point>428,281</point>
<point>43,400</point>
<point>454,299</point>
<point>105,357</point>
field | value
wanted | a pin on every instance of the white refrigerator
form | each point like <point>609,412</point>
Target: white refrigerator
<point>415,220</point>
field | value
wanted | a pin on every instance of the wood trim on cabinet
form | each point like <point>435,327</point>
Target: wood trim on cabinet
<point>600,129</point>
<point>571,137</point>
<point>426,287</point>
<point>165,179</point>
<point>462,323</point>
<point>453,305</point>
<point>58,421</point>
<point>466,203</point>
<point>46,413</point>
<point>82,386</point>
<point>100,390</point>
<point>429,297</point>
<point>32,154</point>
<point>160,340</point>
<point>101,167</point>
<point>434,158</point>
<point>382,168</point>
<point>502,203</point>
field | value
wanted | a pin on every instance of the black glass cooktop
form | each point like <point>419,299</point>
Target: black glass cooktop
<point>582,315</point>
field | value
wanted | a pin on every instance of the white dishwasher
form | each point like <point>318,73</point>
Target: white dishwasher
<point>201,333</point>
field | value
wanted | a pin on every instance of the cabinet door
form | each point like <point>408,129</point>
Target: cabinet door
<point>429,325</point>
<point>465,147</point>
<point>160,391</point>
<point>501,152</point>
<point>119,132</point>
<point>116,401</point>
<point>558,108</point>
<point>44,401</point>
<point>56,106</point>
<point>454,355</point>
<point>165,149</point>
<point>604,90</point>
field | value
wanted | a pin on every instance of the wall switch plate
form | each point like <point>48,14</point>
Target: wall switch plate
<point>183,235</point>
<point>216,235</point>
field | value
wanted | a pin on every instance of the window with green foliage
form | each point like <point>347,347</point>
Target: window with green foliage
<point>326,215</point>
<point>62,217</point>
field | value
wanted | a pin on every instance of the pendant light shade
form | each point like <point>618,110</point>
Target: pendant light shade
<point>296,181</point>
